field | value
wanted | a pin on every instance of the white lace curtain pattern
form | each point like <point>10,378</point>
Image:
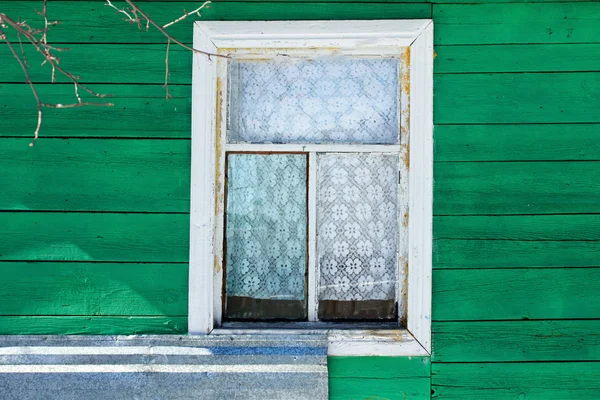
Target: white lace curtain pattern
<point>266,226</point>
<point>328,99</point>
<point>322,100</point>
<point>357,222</point>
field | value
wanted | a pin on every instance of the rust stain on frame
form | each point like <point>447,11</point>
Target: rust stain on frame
<point>405,113</point>
<point>219,184</point>
<point>405,63</point>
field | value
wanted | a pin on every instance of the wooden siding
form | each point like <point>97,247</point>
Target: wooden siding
<point>94,217</point>
<point>516,250</point>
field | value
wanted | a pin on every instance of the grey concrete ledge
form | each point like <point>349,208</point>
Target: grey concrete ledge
<point>164,367</point>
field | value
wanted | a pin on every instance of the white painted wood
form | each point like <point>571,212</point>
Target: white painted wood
<point>200,319</point>
<point>348,34</point>
<point>220,165</point>
<point>319,148</point>
<point>348,37</point>
<point>313,264</point>
<point>357,342</point>
<point>403,118</point>
<point>391,343</point>
<point>421,188</point>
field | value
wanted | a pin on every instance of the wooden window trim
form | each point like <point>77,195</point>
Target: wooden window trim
<point>366,37</point>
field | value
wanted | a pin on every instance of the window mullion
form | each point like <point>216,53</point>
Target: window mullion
<point>313,273</point>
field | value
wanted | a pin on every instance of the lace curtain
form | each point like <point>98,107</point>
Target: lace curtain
<point>357,224</point>
<point>328,99</point>
<point>266,226</point>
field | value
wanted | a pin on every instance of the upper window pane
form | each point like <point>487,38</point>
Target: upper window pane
<point>323,100</point>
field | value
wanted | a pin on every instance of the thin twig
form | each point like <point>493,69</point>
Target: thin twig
<point>52,60</point>
<point>28,81</point>
<point>42,46</point>
<point>185,15</point>
<point>168,96</point>
<point>108,3</point>
<point>135,10</point>
<point>45,36</point>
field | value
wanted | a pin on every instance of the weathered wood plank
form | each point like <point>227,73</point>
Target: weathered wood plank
<point>379,377</point>
<point>95,175</point>
<point>58,236</point>
<point>516,187</point>
<point>548,381</point>
<point>558,22</point>
<point>139,111</point>
<point>516,341</point>
<point>378,367</point>
<point>519,228</point>
<point>518,58</point>
<point>450,253</point>
<point>389,389</point>
<point>540,142</point>
<point>93,289</point>
<point>92,325</point>
<point>92,22</point>
<point>105,63</point>
<point>516,241</point>
<point>516,98</point>
<point>497,294</point>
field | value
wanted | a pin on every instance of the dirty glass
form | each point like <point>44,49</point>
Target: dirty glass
<point>322,100</point>
<point>357,239</point>
<point>266,218</point>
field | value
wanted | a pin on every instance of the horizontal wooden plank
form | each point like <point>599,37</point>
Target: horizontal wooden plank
<point>95,175</point>
<point>104,63</point>
<point>58,236</point>
<point>516,187</point>
<point>557,22</point>
<point>529,142</point>
<point>519,227</point>
<point>378,367</point>
<point>516,98</point>
<point>379,377</point>
<point>92,22</point>
<point>518,58</point>
<point>486,1</point>
<point>139,111</point>
<point>452,253</point>
<point>92,325</point>
<point>199,2</point>
<point>392,389</point>
<point>93,289</point>
<point>516,341</point>
<point>496,294</point>
<point>548,381</point>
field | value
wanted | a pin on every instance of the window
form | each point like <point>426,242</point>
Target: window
<point>311,175</point>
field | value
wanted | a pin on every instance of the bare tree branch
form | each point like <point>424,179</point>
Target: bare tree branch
<point>28,81</point>
<point>135,15</point>
<point>186,14</point>
<point>39,39</point>
<point>166,86</point>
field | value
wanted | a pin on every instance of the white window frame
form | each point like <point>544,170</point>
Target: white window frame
<point>208,118</point>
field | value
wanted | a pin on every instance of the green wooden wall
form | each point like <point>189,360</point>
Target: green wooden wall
<point>94,218</point>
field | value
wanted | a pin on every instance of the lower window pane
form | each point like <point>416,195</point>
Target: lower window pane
<point>266,236</point>
<point>357,238</point>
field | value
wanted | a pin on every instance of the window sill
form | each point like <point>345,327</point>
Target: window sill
<point>344,342</point>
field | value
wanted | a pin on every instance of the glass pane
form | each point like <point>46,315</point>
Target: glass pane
<point>329,99</point>
<point>266,236</point>
<point>357,223</point>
